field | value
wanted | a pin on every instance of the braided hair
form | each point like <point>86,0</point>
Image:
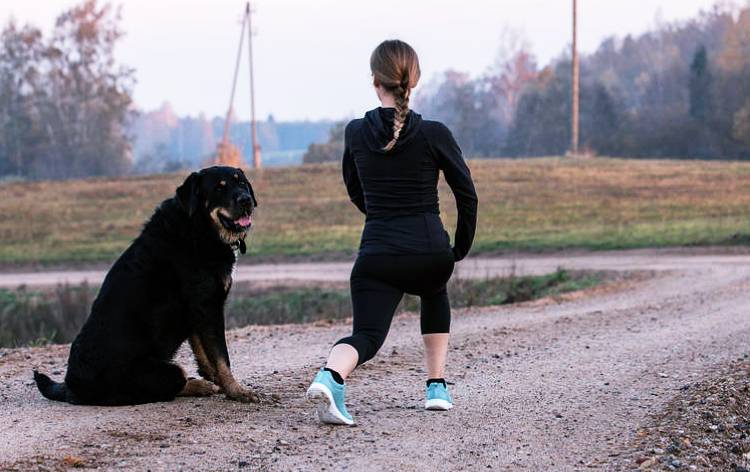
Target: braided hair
<point>395,66</point>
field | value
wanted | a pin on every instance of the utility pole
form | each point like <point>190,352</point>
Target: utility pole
<point>256,146</point>
<point>576,74</point>
<point>228,154</point>
<point>230,109</point>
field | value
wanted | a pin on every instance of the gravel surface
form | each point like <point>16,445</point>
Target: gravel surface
<point>558,384</point>
<point>705,427</point>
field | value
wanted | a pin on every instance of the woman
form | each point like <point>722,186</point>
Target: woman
<point>391,163</point>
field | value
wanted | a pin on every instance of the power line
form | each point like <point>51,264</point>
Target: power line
<point>225,139</point>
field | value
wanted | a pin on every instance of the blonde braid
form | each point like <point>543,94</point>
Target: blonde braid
<point>395,67</point>
<point>401,98</point>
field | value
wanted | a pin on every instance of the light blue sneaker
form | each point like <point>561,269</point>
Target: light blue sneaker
<point>329,396</point>
<point>438,397</point>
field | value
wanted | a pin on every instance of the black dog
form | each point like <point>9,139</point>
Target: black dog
<point>169,286</point>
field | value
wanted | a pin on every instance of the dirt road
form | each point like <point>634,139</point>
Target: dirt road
<point>551,385</point>
<point>471,268</point>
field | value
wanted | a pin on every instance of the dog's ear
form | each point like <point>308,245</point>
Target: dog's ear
<point>250,186</point>
<point>252,194</point>
<point>187,194</point>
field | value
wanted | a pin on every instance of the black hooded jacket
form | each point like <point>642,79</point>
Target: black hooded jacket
<point>397,189</point>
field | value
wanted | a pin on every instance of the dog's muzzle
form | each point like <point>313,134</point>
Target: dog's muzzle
<point>236,225</point>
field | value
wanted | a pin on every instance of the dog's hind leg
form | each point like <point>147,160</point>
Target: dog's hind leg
<point>150,381</point>
<point>198,388</point>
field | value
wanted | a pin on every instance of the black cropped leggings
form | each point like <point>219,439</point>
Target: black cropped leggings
<point>378,282</point>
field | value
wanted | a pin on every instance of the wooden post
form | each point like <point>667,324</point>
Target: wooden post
<point>256,146</point>
<point>576,74</point>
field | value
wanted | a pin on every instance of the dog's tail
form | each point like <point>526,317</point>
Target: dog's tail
<point>49,388</point>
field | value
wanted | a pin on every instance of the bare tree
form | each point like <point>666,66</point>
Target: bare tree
<point>65,102</point>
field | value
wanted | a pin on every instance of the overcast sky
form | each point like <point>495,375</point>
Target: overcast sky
<point>312,55</point>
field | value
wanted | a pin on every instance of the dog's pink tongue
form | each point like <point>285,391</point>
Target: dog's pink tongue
<point>245,221</point>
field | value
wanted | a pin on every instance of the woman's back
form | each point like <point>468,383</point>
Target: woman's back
<point>397,189</point>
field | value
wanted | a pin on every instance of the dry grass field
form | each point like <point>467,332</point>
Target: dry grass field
<point>531,204</point>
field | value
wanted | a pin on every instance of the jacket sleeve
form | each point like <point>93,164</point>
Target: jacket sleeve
<point>458,176</point>
<point>351,177</point>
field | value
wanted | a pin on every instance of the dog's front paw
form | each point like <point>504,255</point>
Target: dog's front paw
<point>243,395</point>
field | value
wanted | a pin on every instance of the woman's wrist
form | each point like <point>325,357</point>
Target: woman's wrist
<point>456,256</point>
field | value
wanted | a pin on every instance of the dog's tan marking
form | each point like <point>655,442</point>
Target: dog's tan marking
<point>227,283</point>
<point>227,236</point>
<point>201,358</point>
<point>231,387</point>
<point>198,388</point>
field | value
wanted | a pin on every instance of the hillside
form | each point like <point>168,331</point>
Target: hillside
<point>535,204</point>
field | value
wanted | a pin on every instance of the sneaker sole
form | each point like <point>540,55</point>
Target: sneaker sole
<point>438,404</point>
<point>322,397</point>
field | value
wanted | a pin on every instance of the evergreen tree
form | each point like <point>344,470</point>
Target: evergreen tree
<point>700,85</point>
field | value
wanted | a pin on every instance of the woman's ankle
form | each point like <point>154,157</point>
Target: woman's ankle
<point>336,376</point>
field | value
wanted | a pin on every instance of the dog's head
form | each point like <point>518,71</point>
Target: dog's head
<point>225,197</point>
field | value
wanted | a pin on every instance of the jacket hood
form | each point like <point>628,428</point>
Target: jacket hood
<point>378,127</point>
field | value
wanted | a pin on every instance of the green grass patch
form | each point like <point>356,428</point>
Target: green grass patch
<point>56,316</point>
<point>32,318</point>
<point>304,212</point>
<point>288,305</point>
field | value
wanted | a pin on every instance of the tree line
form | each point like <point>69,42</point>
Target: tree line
<point>679,91</point>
